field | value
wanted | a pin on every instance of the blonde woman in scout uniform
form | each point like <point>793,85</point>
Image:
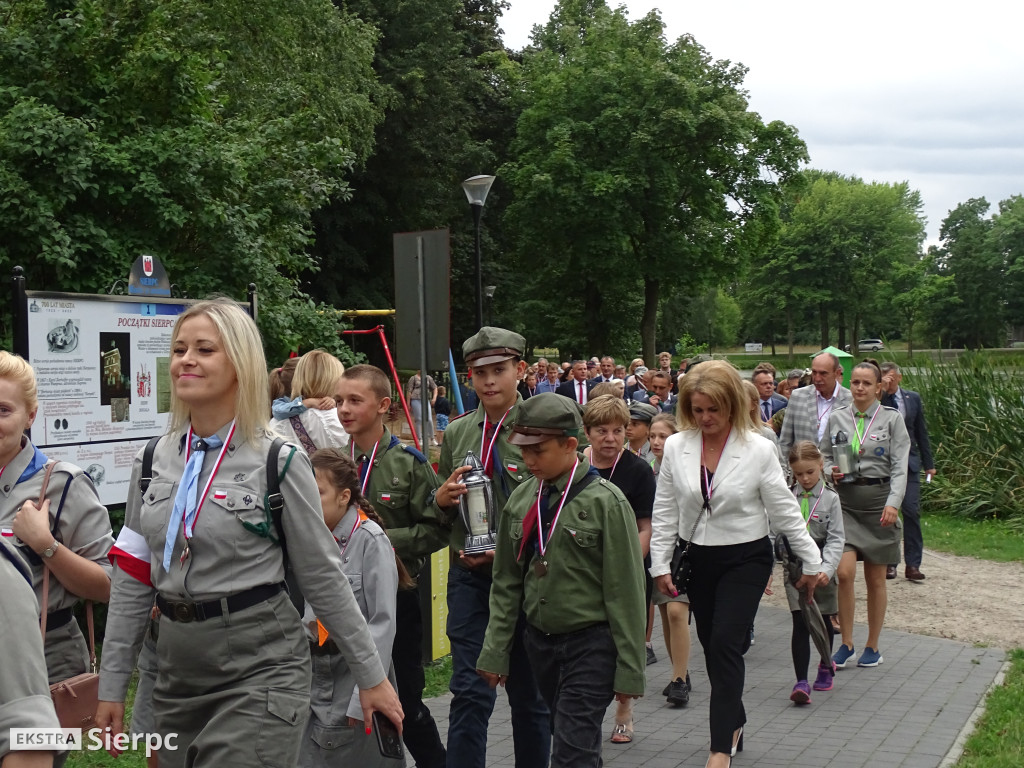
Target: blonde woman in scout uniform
<point>70,534</point>
<point>568,554</point>
<point>871,499</point>
<point>233,674</point>
<point>820,507</point>
<point>334,735</point>
<point>494,356</point>
<point>400,483</point>
<point>24,692</point>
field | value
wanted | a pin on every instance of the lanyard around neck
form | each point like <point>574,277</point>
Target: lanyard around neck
<point>541,541</point>
<point>485,457</point>
<point>861,435</point>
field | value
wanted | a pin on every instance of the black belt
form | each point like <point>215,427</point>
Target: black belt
<point>329,648</point>
<point>871,481</point>
<point>186,612</point>
<point>58,619</point>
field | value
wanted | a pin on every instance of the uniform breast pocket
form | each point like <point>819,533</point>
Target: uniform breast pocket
<point>388,504</point>
<point>241,506</point>
<point>156,508</point>
<point>584,538</point>
<point>355,581</point>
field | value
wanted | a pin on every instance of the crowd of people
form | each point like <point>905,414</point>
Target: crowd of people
<point>264,584</point>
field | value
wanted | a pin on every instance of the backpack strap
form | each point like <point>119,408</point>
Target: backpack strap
<point>146,476</point>
<point>275,499</point>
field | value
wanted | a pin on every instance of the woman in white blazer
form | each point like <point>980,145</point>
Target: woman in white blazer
<point>721,484</point>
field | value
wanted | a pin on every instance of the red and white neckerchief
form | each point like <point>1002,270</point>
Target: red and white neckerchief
<point>369,463</point>
<point>486,457</point>
<point>542,543</point>
<point>187,528</point>
<point>867,429</point>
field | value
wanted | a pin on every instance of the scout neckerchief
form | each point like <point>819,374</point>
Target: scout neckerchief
<point>860,432</point>
<point>486,457</point>
<point>805,508</point>
<point>37,462</point>
<point>186,502</point>
<point>542,542</point>
<point>367,464</point>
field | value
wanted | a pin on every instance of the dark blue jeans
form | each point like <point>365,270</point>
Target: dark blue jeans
<point>576,675</point>
<point>472,699</point>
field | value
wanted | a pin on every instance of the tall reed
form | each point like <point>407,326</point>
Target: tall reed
<point>975,414</point>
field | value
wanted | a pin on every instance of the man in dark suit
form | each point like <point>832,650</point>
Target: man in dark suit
<point>909,405</point>
<point>770,402</point>
<point>577,387</point>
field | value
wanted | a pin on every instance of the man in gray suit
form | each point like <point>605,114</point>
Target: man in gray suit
<point>908,403</point>
<point>809,407</point>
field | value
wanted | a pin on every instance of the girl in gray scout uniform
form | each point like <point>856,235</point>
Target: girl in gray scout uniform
<point>233,672</point>
<point>878,446</point>
<point>820,507</point>
<point>335,734</point>
<point>70,535</point>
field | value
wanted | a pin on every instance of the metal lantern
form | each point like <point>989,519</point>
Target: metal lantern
<point>477,507</point>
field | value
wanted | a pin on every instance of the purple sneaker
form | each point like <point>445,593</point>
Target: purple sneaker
<point>823,682</point>
<point>801,693</point>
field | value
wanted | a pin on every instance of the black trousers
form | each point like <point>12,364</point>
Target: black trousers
<point>725,589</point>
<point>419,731</point>
<point>575,673</point>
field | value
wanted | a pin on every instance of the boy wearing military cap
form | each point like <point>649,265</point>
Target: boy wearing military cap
<point>494,356</point>
<point>569,556</point>
<point>640,415</point>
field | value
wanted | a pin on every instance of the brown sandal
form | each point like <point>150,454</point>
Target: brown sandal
<point>623,732</point>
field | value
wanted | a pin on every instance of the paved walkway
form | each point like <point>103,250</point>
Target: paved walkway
<point>906,713</point>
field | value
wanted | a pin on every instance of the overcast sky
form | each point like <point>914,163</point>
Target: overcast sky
<point>930,93</point>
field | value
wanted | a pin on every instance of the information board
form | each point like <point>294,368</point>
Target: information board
<point>102,370</point>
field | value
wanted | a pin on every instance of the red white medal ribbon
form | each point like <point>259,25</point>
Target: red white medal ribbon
<point>486,457</point>
<point>360,518</point>
<point>867,429</point>
<point>369,463</point>
<point>186,527</point>
<point>542,543</point>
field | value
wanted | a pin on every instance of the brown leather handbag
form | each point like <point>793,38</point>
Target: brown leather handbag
<point>76,698</point>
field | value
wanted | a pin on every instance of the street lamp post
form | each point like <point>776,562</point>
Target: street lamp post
<point>489,293</point>
<point>476,189</point>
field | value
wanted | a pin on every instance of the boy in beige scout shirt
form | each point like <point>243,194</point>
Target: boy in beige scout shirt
<point>569,556</point>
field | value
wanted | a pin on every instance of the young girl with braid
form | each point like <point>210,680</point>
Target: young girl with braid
<point>335,734</point>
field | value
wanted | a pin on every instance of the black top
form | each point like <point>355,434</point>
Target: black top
<point>634,477</point>
<point>442,406</point>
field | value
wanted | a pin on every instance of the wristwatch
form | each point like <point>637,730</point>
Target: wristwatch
<point>50,550</point>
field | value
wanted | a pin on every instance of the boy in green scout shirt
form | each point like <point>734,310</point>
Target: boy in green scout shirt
<point>569,556</point>
<point>494,355</point>
<point>399,482</point>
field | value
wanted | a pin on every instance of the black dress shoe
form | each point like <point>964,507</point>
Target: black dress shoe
<point>890,572</point>
<point>913,573</point>
<point>678,694</point>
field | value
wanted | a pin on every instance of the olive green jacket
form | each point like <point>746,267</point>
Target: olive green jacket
<point>595,574</point>
<point>401,488</point>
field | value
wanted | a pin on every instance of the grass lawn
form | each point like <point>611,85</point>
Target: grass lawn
<point>438,673</point>
<point>985,539</point>
<point>998,739</point>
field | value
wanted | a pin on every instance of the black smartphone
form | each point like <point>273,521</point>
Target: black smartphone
<point>388,740</point>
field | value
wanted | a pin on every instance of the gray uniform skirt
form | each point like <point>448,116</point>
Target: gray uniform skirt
<point>235,688</point>
<point>862,513</point>
<point>826,597</point>
<point>143,718</point>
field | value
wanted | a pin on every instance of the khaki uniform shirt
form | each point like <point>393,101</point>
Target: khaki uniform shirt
<point>885,447</point>
<point>400,489</point>
<point>24,690</point>
<point>84,523</point>
<point>464,434</point>
<point>594,575</point>
<point>227,558</point>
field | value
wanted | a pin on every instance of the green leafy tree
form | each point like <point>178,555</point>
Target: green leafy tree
<point>637,165</point>
<point>202,134</point>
